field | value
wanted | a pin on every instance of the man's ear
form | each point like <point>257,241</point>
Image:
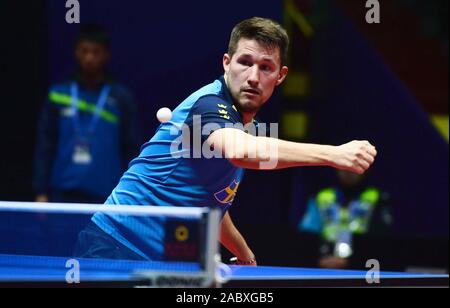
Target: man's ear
<point>226,62</point>
<point>282,75</point>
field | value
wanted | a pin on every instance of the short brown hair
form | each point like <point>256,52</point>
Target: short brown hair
<point>265,31</point>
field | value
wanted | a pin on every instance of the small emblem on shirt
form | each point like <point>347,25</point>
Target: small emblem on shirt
<point>227,195</point>
<point>223,113</point>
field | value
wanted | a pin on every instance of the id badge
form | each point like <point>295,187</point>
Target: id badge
<point>343,247</point>
<point>82,155</point>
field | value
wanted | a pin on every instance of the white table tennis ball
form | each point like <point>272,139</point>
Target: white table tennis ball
<point>164,115</point>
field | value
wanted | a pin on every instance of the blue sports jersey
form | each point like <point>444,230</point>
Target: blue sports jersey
<point>111,141</point>
<point>167,172</point>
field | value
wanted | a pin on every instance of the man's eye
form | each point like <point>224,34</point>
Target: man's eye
<point>266,68</point>
<point>246,63</point>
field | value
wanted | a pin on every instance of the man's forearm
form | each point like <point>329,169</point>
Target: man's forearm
<point>232,239</point>
<point>279,154</point>
<point>250,152</point>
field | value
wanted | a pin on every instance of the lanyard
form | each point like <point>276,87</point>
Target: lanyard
<point>355,211</point>
<point>98,108</point>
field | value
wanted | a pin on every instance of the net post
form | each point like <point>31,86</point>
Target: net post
<point>212,256</point>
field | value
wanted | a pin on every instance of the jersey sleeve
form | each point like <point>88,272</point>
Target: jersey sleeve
<point>211,113</point>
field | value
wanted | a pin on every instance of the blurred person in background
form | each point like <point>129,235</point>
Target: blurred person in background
<point>337,214</point>
<point>87,130</point>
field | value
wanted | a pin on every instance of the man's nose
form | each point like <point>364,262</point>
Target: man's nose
<point>253,78</point>
<point>90,56</point>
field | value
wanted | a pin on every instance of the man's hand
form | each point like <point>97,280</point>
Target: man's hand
<point>249,262</point>
<point>41,198</point>
<point>355,156</point>
<point>333,262</point>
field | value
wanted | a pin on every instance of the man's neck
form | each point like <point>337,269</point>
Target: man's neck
<point>246,116</point>
<point>92,81</point>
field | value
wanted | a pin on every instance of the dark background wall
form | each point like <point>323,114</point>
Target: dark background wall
<point>24,79</point>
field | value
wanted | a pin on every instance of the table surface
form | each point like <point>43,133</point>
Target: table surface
<point>42,270</point>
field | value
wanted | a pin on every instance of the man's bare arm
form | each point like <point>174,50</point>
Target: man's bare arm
<point>250,152</point>
<point>232,239</point>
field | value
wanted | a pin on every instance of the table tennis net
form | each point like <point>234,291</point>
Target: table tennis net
<point>167,236</point>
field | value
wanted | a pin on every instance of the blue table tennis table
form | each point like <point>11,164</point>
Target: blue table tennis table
<point>42,271</point>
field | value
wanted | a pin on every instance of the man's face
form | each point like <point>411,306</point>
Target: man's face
<point>349,179</point>
<point>253,73</point>
<point>91,56</point>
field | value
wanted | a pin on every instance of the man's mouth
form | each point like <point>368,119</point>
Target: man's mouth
<point>251,91</point>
